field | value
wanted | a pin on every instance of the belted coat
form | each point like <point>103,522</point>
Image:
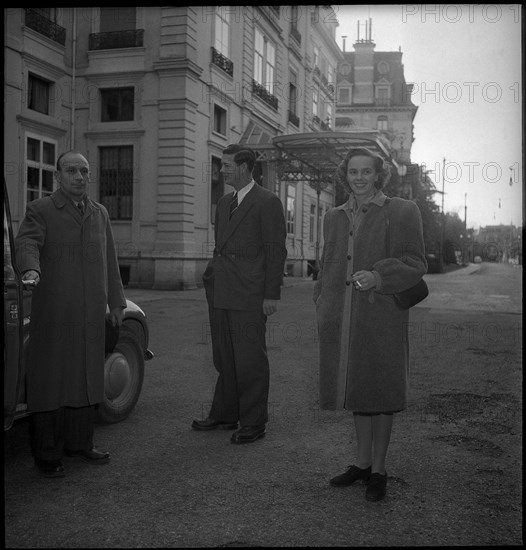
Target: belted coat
<point>79,277</point>
<point>363,335</point>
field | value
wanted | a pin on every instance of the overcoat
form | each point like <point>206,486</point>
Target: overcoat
<point>79,277</point>
<point>363,335</point>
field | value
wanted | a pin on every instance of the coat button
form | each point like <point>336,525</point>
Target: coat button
<point>348,256</point>
<point>350,233</point>
<point>347,283</point>
<point>364,209</point>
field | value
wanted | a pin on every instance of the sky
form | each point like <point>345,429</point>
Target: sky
<point>465,63</point>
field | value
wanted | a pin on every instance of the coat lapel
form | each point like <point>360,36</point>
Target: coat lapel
<point>242,210</point>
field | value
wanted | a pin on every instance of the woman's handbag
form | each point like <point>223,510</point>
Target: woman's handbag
<point>414,295</point>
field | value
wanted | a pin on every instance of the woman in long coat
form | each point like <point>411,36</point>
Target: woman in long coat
<point>363,338</point>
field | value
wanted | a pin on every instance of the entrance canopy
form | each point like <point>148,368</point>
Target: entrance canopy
<point>318,154</point>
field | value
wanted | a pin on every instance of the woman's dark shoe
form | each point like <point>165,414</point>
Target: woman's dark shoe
<point>377,487</point>
<point>350,476</point>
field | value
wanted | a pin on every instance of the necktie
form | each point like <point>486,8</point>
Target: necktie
<point>80,206</point>
<point>233,204</point>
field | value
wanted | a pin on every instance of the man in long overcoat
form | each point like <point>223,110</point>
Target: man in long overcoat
<point>243,284</point>
<point>65,247</point>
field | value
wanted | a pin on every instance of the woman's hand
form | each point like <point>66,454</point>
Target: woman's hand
<point>364,280</point>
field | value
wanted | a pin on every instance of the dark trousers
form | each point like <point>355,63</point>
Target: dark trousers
<point>240,358</point>
<point>67,427</point>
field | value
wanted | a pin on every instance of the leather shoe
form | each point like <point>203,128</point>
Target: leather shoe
<point>350,476</point>
<point>91,457</point>
<point>50,468</point>
<point>211,424</point>
<point>248,434</point>
<point>377,487</point>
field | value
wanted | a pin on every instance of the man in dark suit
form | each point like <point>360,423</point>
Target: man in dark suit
<point>243,285</point>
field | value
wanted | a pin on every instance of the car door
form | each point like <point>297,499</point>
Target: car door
<point>13,323</point>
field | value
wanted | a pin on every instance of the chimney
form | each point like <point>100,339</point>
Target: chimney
<point>363,90</point>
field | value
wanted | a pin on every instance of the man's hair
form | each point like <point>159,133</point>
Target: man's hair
<point>64,154</point>
<point>241,154</point>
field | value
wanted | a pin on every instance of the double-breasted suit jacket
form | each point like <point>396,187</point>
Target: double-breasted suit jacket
<point>250,252</point>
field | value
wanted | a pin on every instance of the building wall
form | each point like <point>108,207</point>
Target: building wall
<point>169,239</point>
<point>376,88</point>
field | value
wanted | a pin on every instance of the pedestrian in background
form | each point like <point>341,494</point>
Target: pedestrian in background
<point>65,248</point>
<point>243,285</point>
<point>363,341</point>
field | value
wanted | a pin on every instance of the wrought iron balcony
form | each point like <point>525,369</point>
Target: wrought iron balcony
<point>222,62</point>
<point>294,119</point>
<point>132,38</point>
<point>45,26</point>
<point>265,95</point>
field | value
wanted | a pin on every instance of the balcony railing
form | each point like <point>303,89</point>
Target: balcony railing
<point>222,62</point>
<point>132,38</point>
<point>294,119</point>
<point>265,95</point>
<point>45,26</point>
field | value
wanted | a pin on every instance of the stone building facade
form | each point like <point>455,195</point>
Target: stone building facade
<point>152,95</point>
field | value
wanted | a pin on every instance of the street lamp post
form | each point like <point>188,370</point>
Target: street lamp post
<point>443,228</point>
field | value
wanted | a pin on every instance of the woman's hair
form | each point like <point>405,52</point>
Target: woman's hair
<point>381,167</point>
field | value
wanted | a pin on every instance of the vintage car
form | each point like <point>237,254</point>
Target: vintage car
<point>125,355</point>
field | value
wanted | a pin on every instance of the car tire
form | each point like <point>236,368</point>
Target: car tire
<point>123,378</point>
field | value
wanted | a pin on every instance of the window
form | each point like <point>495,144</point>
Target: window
<point>222,30</point>
<point>40,166</point>
<point>217,187</point>
<point>312,222</point>
<point>382,122</point>
<point>48,13</point>
<point>328,118</point>
<point>38,94</point>
<point>383,95</point>
<point>264,61</point>
<point>117,19</point>
<point>116,181</point>
<point>293,93</point>
<point>117,104</point>
<point>344,95</point>
<point>291,199</point>
<point>331,74</point>
<point>316,59</point>
<point>315,101</point>
<point>219,120</point>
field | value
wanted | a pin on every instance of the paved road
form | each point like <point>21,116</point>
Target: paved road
<point>454,464</point>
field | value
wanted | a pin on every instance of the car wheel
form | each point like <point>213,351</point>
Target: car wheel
<point>123,377</point>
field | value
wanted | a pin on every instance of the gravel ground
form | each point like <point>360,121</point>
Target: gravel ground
<point>454,465</point>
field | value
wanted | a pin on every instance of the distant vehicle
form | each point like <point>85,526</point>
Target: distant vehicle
<point>477,259</point>
<point>124,363</point>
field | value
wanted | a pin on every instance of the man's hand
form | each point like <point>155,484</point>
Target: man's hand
<point>116,316</point>
<point>270,306</point>
<point>31,278</point>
